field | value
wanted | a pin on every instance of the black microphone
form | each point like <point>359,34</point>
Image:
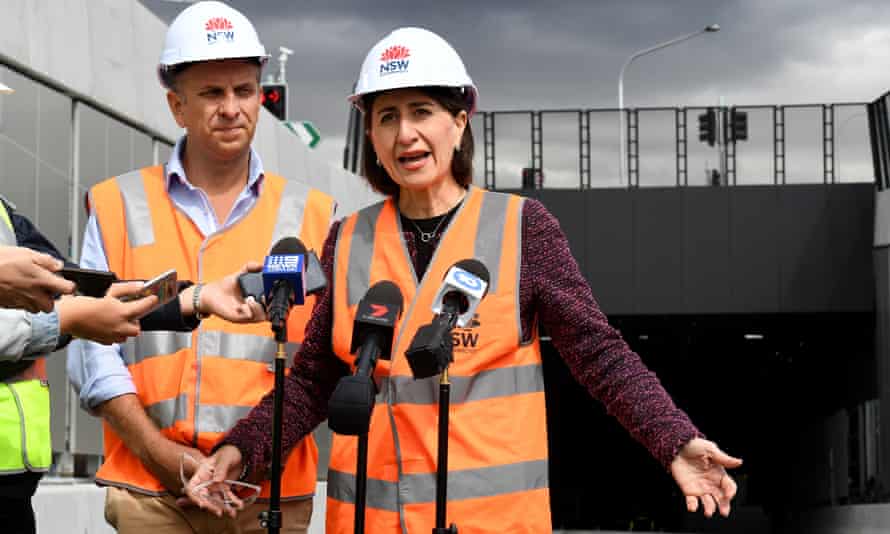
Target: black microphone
<point>464,286</point>
<point>351,404</point>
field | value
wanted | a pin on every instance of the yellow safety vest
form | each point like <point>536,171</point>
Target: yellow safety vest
<point>25,443</point>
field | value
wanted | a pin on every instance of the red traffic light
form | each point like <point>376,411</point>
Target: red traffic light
<point>274,98</point>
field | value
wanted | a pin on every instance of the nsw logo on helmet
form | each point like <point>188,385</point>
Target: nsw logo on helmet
<point>218,29</point>
<point>394,59</point>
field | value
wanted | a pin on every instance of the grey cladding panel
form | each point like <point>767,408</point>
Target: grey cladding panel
<point>850,282</point>
<point>707,268</point>
<point>753,253</point>
<point>659,250</point>
<point>743,249</point>
<point>609,240</point>
<point>569,208</point>
<point>803,254</point>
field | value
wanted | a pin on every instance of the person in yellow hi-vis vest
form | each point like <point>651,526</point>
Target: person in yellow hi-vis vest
<point>417,100</point>
<point>166,399</point>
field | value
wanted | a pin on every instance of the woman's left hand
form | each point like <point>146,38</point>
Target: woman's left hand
<point>700,471</point>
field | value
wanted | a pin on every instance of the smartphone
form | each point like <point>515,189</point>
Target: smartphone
<point>164,286</point>
<point>89,282</point>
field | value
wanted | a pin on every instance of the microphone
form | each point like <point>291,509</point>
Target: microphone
<point>464,287</point>
<point>351,404</point>
<point>284,280</point>
<point>252,285</point>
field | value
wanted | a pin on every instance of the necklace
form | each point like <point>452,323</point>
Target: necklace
<point>426,237</point>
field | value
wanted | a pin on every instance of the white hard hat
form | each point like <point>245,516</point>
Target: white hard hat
<point>413,57</point>
<point>208,31</point>
<point>5,89</point>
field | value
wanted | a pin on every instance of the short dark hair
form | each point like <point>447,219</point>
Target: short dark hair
<point>450,98</point>
<point>169,75</point>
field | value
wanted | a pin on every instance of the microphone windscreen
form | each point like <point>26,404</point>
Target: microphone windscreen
<point>286,246</point>
<point>378,311</point>
<point>386,293</point>
<point>477,268</point>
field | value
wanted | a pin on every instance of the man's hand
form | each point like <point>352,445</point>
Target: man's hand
<point>223,298</point>
<point>159,455</point>
<point>700,471</point>
<point>27,280</point>
<point>106,320</point>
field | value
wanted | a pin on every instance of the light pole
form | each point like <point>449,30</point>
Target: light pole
<point>621,133</point>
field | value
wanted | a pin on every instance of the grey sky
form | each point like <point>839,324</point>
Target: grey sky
<point>567,54</point>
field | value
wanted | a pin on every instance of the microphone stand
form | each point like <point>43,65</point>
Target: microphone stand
<point>354,398</point>
<point>367,360</point>
<point>442,452</point>
<point>442,461</point>
<point>271,519</point>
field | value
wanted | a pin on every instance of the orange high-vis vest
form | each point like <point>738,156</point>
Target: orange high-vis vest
<point>497,466</point>
<point>197,385</point>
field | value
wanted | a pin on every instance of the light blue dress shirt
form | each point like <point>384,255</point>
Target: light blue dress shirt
<point>98,372</point>
<point>26,335</point>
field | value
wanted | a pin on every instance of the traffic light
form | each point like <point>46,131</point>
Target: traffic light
<point>707,127</point>
<point>274,98</point>
<point>738,124</point>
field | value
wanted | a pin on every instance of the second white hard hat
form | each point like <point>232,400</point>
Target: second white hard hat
<point>413,57</point>
<point>208,31</point>
<point>5,89</point>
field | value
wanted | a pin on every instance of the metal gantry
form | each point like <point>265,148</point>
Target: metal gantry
<point>682,159</point>
<point>828,143</point>
<point>488,138</point>
<point>584,148</point>
<point>633,148</point>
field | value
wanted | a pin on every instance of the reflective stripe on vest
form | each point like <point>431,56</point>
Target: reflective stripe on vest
<point>137,213</point>
<point>462,485</point>
<point>233,346</point>
<point>497,454</point>
<point>195,386</point>
<point>25,443</point>
<point>7,232</point>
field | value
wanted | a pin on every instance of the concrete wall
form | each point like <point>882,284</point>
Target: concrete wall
<point>106,51</point>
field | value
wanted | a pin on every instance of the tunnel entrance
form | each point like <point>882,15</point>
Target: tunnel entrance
<point>789,393</point>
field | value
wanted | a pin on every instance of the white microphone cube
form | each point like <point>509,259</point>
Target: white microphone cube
<point>467,284</point>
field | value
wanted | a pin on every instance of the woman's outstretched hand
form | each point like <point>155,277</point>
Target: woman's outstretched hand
<point>700,471</point>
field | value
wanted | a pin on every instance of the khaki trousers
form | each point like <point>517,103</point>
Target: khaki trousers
<point>134,513</point>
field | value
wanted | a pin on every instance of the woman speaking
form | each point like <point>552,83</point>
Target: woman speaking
<point>417,100</point>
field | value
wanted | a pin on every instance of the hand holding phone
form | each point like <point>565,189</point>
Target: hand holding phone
<point>89,282</point>
<point>164,286</point>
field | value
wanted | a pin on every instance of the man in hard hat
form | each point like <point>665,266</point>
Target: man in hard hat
<point>167,399</point>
